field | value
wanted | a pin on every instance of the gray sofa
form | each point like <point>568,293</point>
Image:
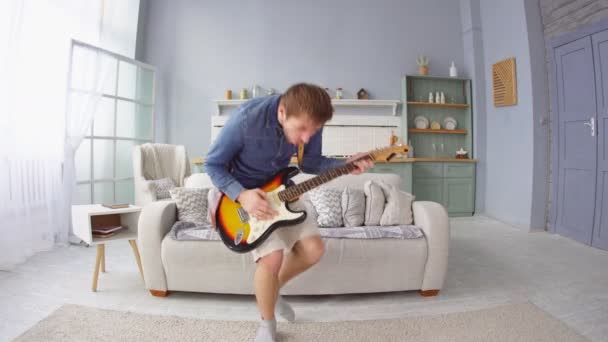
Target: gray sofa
<point>348,266</point>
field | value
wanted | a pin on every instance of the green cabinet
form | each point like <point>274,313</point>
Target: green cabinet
<point>451,184</point>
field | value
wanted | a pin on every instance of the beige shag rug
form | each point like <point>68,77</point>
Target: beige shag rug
<point>513,322</point>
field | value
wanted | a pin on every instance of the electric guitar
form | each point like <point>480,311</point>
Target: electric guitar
<point>242,233</point>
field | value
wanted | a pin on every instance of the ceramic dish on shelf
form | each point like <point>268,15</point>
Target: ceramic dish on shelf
<point>421,122</point>
<point>450,123</point>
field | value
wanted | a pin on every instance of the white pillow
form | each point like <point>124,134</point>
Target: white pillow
<point>191,204</point>
<point>326,202</point>
<point>353,207</point>
<point>374,203</point>
<point>398,208</point>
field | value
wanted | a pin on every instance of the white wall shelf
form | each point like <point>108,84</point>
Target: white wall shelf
<point>227,105</point>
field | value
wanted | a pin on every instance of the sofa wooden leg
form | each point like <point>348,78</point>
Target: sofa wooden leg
<point>429,293</point>
<point>157,293</point>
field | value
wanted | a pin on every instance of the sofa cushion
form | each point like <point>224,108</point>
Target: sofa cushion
<point>162,187</point>
<point>191,204</point>
<point>353,207</point>
<point>398,208</point>
<point>327,204</point>
<point>374,203</point>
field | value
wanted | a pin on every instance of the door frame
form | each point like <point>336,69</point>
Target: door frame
<point>550,46</point>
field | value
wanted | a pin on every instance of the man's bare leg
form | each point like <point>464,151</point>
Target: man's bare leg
<point>266,282</point>
<point>305,253</point>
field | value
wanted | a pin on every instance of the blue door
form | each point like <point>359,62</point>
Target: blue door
<point>600,52</point>
<point>577,147</point>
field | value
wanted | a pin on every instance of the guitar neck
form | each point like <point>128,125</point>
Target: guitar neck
<point>294,192</point>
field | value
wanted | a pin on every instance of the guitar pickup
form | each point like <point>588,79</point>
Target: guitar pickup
<point>243,215</point>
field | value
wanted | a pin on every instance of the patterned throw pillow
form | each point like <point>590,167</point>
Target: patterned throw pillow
<point>374,203</point>
<point>326,202</point>
<point>162,187</point>
<point>353,207</point>
<point>191,204</point>
<point>398,208</point>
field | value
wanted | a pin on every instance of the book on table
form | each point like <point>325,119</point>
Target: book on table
<point>105,229</point>
<point>116,205</point>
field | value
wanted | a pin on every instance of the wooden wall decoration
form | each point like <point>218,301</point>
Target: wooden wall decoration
<point>504,83</point>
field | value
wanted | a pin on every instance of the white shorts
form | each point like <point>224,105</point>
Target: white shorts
<point>284,238</point>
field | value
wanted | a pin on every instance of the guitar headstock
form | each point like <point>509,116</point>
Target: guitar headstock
<point>385,154</point>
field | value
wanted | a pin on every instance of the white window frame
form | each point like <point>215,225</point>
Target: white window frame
<point>91,138</point>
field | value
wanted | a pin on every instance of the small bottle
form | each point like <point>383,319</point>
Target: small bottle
<point>338,93</point>
<point>431,97</point>
<point>244,94</point>
<point>255,91</point>
<point>228,94</point>
<point>410,150</point>
<point>437,98</point>
<point>442,97</point>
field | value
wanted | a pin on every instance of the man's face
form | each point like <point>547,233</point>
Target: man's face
<point>298,129</point>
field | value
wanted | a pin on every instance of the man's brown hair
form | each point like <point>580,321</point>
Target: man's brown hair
<point>308,99</point>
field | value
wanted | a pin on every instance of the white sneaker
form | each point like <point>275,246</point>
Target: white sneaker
<point>285,310</point>
<point>267,331</point>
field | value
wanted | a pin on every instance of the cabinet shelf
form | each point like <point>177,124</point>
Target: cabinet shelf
<point>438,131</point>
<point>447,105</point>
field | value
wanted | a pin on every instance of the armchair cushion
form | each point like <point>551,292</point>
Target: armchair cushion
<point>191,204</point>
<point>162,187</point>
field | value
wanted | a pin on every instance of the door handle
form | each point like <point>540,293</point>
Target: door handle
<point>591,125</point>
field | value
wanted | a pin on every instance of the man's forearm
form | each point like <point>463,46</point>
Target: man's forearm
<point>224,181</point>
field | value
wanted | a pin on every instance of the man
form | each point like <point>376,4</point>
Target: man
<point>258,140</point>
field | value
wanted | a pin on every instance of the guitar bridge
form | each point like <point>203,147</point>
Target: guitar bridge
<point>243,215</point>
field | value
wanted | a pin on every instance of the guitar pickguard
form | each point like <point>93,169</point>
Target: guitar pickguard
<point>258,227</point>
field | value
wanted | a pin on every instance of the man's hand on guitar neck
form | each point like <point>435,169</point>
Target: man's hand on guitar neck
<point>255,202</point>
<point>362,165</point>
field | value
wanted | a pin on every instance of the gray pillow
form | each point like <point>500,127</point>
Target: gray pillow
<point>353,207</point>
<point>398,208</point>
<point>374,203</point>
<point>162,187</point>
<point>326,202</point>
<point>191,204</point>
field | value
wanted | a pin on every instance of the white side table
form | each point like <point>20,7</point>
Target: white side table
<point>84,217</point>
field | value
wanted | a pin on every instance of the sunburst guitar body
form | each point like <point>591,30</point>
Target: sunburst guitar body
<point>241,232</point>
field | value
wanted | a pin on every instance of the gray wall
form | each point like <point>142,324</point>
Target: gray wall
<point>202,48</point>
<point>515,159</point>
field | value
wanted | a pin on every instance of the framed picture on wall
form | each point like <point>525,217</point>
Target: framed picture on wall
<point>504,83</point>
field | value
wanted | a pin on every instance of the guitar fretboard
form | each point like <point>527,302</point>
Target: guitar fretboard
<point>293,192</point>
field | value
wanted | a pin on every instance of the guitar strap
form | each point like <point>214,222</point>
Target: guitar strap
<point>300,155</point>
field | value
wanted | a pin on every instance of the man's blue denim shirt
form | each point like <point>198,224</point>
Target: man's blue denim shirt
<point>251,148</point>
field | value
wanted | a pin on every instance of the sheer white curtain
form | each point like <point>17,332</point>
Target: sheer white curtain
<point>35,40</point>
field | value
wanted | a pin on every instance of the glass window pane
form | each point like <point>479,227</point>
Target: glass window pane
<point>144,123</point>
<point>82,194</point>
<point>125,119</point>
<point>125,192</point>
<point>93,71</point>
<point>124,160</point>
<point>127,78</point>
<point>104,192</point>
<point>109,73</point>
<point>103,154</point>
<point>145,85</point>
<point>104,118</point>
<point>83,161</point>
